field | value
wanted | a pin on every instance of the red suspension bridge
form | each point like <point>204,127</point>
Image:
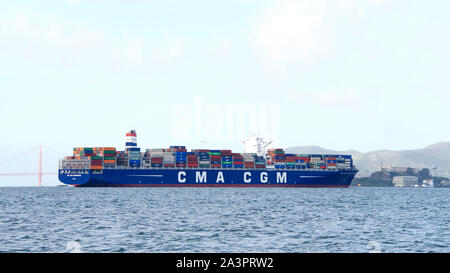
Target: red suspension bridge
<point>39,172</point>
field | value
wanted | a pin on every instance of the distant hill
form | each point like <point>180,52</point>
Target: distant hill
<point>437,154</point>
<point>317,150</point>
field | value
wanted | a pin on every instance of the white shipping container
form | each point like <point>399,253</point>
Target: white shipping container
<point>131,139</point>
<point>155,150</point>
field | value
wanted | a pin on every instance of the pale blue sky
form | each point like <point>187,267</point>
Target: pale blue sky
<point>344,74</point>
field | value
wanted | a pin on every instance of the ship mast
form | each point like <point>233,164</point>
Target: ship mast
<point>256,145</point>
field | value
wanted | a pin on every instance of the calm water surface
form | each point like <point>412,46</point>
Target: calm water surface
<point>57,219</point>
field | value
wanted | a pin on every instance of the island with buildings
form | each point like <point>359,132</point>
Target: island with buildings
<point>402,177</point>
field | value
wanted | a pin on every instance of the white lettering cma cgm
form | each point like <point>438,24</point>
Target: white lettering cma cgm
<point>201,177</point>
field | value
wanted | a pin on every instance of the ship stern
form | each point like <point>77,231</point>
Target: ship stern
<point>74,177</point>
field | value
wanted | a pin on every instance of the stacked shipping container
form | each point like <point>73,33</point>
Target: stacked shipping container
<point>177,156</point>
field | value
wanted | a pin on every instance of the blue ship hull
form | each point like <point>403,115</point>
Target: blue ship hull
<point>164,177</point>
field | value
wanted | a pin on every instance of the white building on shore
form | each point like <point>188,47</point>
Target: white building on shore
<point>405,181</point>
<point>428,183</point>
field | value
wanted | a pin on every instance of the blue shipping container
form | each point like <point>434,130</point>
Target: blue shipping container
<point>177,147</point>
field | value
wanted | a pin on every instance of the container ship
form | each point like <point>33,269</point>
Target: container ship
<point>258,166</point>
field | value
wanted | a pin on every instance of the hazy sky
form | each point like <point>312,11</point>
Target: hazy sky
<point>341,74</point>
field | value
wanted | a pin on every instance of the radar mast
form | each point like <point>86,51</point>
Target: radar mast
<point>256,145</point>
